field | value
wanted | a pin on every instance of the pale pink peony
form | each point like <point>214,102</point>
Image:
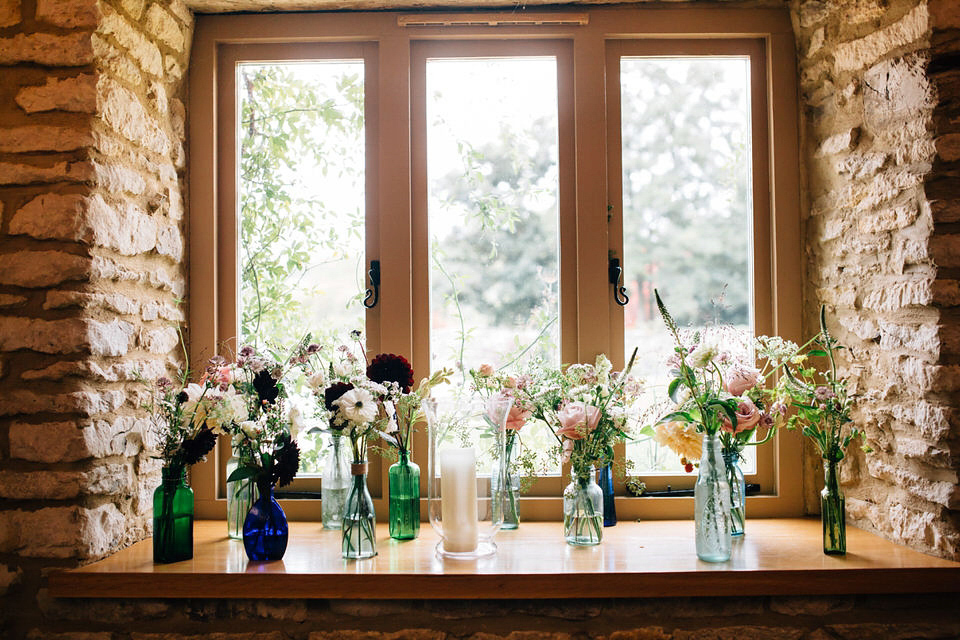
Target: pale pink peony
<point>577,420</point>
<point>740,379</point>
<point>748,417</point>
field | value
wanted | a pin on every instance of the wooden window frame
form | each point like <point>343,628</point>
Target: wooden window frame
<point>397,224</point>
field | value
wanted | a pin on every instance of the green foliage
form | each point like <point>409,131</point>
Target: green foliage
<point>292,130</point>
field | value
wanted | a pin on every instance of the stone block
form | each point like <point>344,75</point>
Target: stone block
<point>896,89</point>
<point>894,631</point>
<point>159,341</point>
<point>44,336</point>
<point>744,632</point>
<point>945,293</point>
<point>115,302</point>
<point>70,14</point>
<point>811,605</point>
<point>118,179</point>
<point>115,61</point>
<point>42,268</point>
<point>892,296</point>
<point>61,532</point>
<point>857,54</point>
<point>77,94</point>
<point>839,142</point>
<point>52,442</point>
<point>21,174</point>
<point>164,27</point>
<point>948,147</point>
<point>87,403</point>
<point>123,112</point>
<point>889,218</point>
<point>9,576</point>
<point>129,37</point>
<point>938,486</point>
<point>10,13</point>
<point>9,300</point>
<point>44,634</point>
<point>134,8</point>
<point>944,14</point>
<point>945,250</point>
<point>72,50</point>
<point>105,479</point>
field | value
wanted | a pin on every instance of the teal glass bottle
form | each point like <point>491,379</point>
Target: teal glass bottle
<point>404,483</point>
<point>738,492</point>
<point>172,517</point>
<point>833,510</point>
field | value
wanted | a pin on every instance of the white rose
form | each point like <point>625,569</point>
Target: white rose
<point>250,428</point>
<point>297,424</point>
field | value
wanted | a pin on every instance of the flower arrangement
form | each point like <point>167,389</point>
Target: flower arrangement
<point>820,398</point>
<point>713,392</point>
<point>587,407</point>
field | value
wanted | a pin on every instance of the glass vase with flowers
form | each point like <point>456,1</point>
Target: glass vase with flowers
<point>588,409</point>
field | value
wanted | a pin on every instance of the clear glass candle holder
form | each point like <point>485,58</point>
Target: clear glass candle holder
<point>467,449</point>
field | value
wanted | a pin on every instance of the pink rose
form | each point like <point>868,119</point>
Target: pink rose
<point>740,379</point>
<point>748,417</point>
<point>485,370</point>
<point>577,420</point>
<point>517,417</point>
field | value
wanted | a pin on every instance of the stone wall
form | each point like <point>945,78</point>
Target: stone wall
<point>879,109</point>
<point>91,267</point>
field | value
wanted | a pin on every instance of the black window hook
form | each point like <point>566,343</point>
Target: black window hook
<point>615,272</point>
<point>374,275</point>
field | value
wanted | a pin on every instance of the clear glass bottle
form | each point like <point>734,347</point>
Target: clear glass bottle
<point>505,485</point>
<point>335,482</point>
<point>359,539</point>
<point>833,510</point>
<point>172,517</point>
<point>583,510</point>
<point>738,492</point>
<point>404,484</point>
<point>241,494</point>
<point>712,504</point>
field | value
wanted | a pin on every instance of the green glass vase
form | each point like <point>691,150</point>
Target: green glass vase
<point>173,517</point>
<point>404,483</point>
<point>833,510</point>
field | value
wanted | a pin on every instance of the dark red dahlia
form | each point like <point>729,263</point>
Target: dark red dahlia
<point>332,393</point>
<point>389,367</point>
<point>195,448</point>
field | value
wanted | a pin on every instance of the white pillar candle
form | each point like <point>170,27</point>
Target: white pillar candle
<point>458,499</point>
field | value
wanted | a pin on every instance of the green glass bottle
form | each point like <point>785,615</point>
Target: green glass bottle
<point>404,483</point>
<point>173,517</point>
<point>833,511</point>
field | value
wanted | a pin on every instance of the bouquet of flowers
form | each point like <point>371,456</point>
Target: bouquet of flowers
<point>713,392</point>
<point>587,407</point>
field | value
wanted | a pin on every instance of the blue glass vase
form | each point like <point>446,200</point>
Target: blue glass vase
<point>605,480</point>
<point>265,531</point>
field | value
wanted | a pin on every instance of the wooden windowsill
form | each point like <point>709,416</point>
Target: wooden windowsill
<point>635,560</point>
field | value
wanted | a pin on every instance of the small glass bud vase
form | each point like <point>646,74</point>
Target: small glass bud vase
<point>833,510</point>
<point>711,497</point>
<point>359,538</point>
<point>465,464</point>
<point>335,482</point>
<point>241,494</point>
<point>738,492</point>
<point>172,517</point>
<point>509,493</point>
<point>404,483</point>
<point>583,510</point>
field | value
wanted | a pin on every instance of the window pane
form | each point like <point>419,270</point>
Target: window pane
<point>492,149</point>
<point>301,205</point>
<point>687,210</point>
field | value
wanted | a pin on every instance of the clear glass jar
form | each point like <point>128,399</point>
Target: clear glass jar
<point>241,494</point>
<point>583,510</point>
<point>359,538</point>
<point>738,492</point>
<point>335,482</point>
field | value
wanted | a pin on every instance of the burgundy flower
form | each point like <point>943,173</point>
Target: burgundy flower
<point>389,367</point>
<point>286,462</point>
<point>266,387</point>
<point>332,393</point>
<point>195,448</point>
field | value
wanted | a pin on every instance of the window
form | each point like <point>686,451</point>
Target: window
<point>492,171</point>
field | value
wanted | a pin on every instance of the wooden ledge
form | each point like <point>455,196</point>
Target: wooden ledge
<point>635,560</point>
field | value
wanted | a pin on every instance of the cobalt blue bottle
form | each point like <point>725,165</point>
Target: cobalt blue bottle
<point>265,531</point>
<point>605,480</point>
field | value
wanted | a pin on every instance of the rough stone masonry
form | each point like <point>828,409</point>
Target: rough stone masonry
<point>92,255</point>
